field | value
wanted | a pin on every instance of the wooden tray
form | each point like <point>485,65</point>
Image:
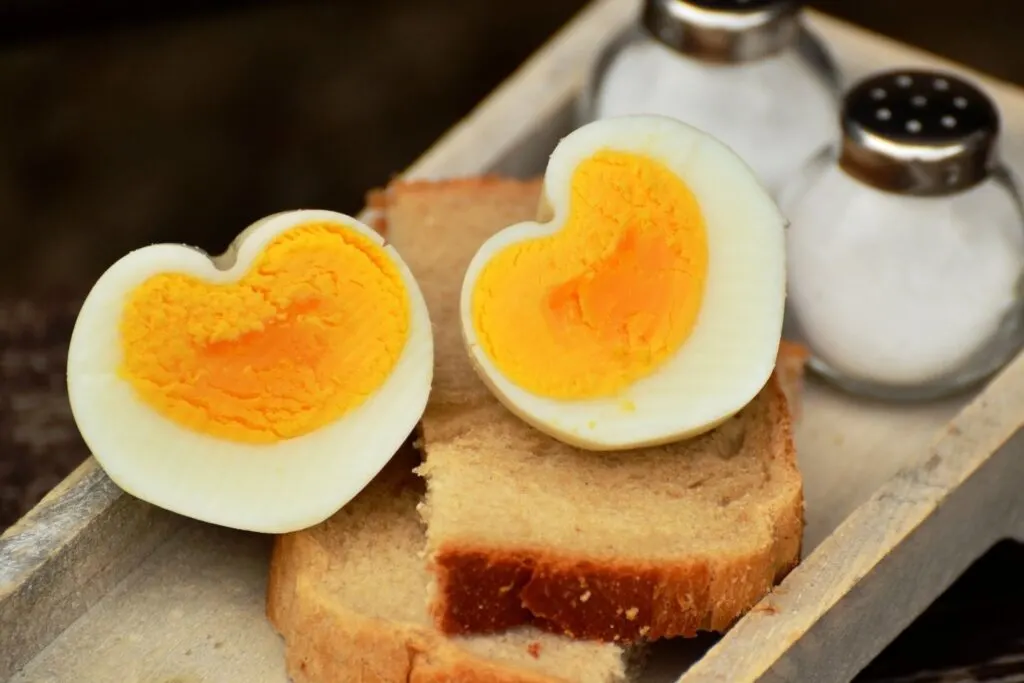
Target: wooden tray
<point>96,586</point>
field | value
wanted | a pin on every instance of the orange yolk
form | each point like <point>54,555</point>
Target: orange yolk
<point>587,311</point>
<point>314,327</point>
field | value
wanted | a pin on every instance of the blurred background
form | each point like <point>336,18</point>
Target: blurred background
<point>124,123</point>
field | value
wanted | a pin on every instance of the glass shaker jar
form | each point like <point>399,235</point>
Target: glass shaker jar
<point>732,68</point>
<point>906,242</point>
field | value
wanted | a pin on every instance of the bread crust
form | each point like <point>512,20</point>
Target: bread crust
<point>789,369</point>
<point>327,643</point>
<point>444,666</point>
<point>482,590</point>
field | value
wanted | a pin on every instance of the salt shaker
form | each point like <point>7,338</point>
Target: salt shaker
<point>906,242</point>
<point>746,71</point>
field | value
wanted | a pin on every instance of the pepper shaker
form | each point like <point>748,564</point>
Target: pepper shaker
<point>746,71</point>
<point>906,242</point>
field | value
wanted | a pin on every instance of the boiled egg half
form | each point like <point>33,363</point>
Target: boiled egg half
<point>648,306</point>
<point>261,389</point>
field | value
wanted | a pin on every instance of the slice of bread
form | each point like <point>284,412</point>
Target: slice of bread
<point>522,529</point>
<point>350,598</point>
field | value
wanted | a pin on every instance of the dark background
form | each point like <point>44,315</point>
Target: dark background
<point>124,123</point>
<point>127,122</point>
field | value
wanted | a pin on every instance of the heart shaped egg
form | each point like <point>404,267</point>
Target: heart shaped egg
<point>261,389</point>
<point>649,307</point>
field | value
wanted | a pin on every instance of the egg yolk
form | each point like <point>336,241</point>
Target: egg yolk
<point>313,328</point>
<point>587,311</point>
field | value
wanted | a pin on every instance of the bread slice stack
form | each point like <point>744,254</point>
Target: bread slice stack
<point>350,598</point>
<point>529,560</point>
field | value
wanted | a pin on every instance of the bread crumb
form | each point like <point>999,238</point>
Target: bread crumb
<point>644,630</point>
<point>767,608</point>
<point>585,597</point>
<point>632,612</point>
<point>534,649</point>
<point>505,589</point>
<point>618,612</point>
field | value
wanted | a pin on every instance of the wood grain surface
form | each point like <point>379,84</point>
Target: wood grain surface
<point>71,549</point>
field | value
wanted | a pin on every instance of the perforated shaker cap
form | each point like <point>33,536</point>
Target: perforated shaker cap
<point>922,133</point>
<point>723,30</point>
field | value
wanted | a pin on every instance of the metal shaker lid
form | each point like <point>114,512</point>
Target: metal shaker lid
<point>920,133</point>
<point>723,30</point>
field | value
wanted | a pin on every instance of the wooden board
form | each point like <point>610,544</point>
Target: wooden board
<point>97,586</point>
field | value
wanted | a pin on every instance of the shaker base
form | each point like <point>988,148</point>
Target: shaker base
<point>933,391</point>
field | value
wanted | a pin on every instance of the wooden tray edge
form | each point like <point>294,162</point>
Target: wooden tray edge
<point>66,553</point>
<point>893,555</point>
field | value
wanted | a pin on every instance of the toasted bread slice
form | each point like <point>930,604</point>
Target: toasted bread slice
<point>523,529</point>
<point>350,598</point>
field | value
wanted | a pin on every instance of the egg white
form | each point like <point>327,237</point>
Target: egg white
<point>270,488</point>
<point>731,352</point>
